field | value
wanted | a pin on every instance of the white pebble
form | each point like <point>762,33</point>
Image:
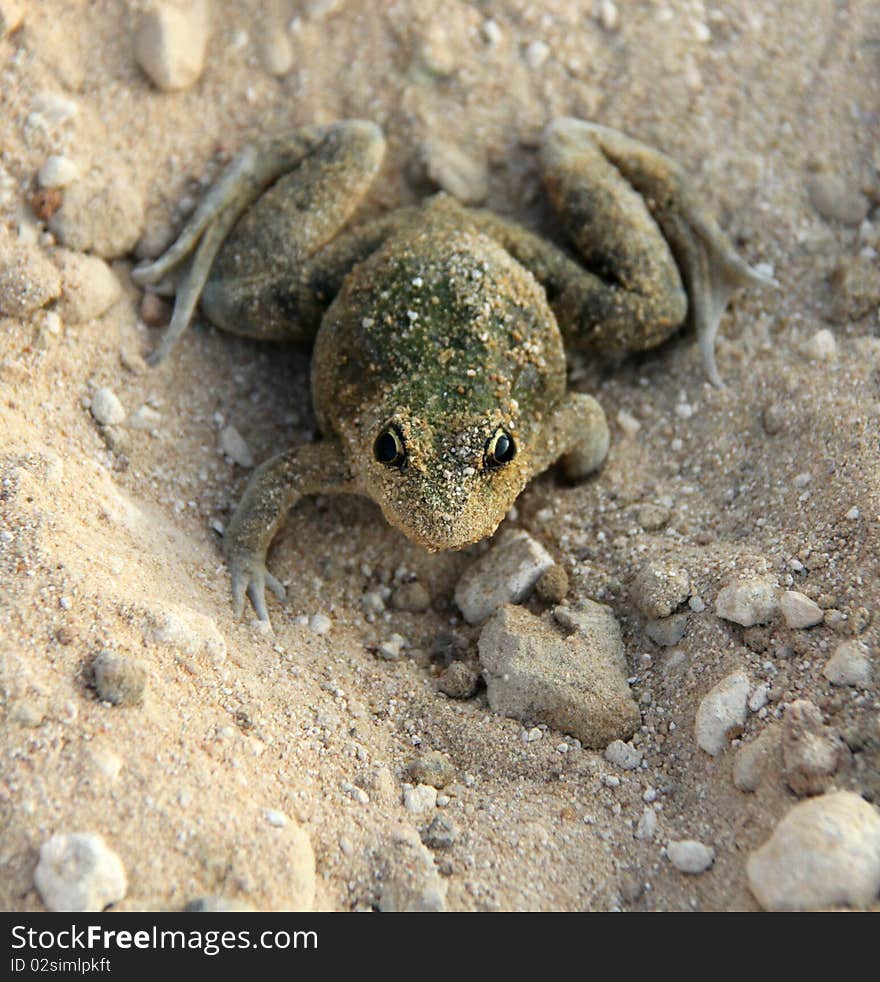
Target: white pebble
<point>420,799</point>
<point>608,15</point>
<point>79,872</point>
<point>690,856</point>
<point>723,708</point>
<point>627,422</point>
<point>170,43</point>
<point>799,611</point>
<point>233,445</point>
<point>277,53</point>
<point>759,698</point>
<point>824,853</point>
<point>822,346</point>
<point>320,624</point>
<point>852,514</point>
<point>144,418</point>
<point>536,54</point>
<point>275,818</point>
<point>849,665</point>
<point>748,602</point>
<point>106,407</point>
<point>492,32</point>
<point>57,172</point>
<point>647,827</point>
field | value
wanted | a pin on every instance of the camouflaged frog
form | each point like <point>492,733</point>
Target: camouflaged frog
<point>439,332</point>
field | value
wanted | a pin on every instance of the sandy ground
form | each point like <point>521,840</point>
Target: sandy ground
<point>109,539</point>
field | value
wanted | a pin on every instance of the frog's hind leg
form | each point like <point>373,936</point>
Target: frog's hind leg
<point>640,228</point>
<point>256,236</point>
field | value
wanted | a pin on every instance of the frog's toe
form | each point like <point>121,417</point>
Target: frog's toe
<point>250,577</point>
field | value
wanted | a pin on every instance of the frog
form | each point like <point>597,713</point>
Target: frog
<point>439,331</point>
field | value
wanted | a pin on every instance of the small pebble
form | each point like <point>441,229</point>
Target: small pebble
<point>536,53</point>
<point>667,631</point>
<point>320,624</point>
<point>100,214</point>
<point>411,597</point>
<point>79,872</point>
<point>652,517</point>
<point>420,799</point>
<point>660,587</point>
<point>106,407</point>
<point>799,611</point>
<point>647,826</point>
<point>28,281</point>
<point>57,172</point>
<point>492,32</point>
<point>824,853</point>
<point>553,585</point>
<point>392,649</point>
<point>722,709</point>
<point>459,681</point>
<point>154,311</point>
<point>441,833</point>
<point>608,15</point>
<point>775,418</point>
<point>276,819</point>
<point>849,665</point>
<point>759,698</point>
<point>433,768</point>
<point>690,856</point>
<point>748,602</point>
<point>118,679</point>
<point>170,43</point>
<point>89,287</point>
<point>144,418</point>
<point>623,755</point>
<point>835,200</point>
<point>759,760</point>
<point>276,53</point>
<point>461,173</point>
<point>233,445</point>
<point>822,346</point>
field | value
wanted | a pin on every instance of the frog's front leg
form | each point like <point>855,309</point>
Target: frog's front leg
<point>576,434</point>
<point>275,486</point>
<point>641,230</point>
<point>257,238</point>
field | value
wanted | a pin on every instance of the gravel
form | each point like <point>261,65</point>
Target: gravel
<point>576,684</point>
<point>459,681</point>
<point>660,588</point>
<point>849,665</point>
<point>690,856</point>
<point>749,601</point>
<point>506,574</point>
<point>119,680</point>
<point>811,751</point>
<point>170,43</point>
<point>106,407</point>
<point>553,585</point>
<point>720,711</point>
<point>79,872</point>
<point>824,853</point>
<point>799,611</point>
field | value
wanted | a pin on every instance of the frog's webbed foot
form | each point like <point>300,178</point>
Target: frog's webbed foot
<point>274,487</point>
<point>298,190</point>
<point>643,234</point>
<point>250,577</point>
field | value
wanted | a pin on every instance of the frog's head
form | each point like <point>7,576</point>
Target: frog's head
<point>446,482</point>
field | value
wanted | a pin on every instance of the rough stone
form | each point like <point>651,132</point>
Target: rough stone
<point>660,587</point>
<point>57,172</point>
<point>89,287</point>
<point>720,711</point>
<point>411,597</point>
<point>748,602</point>
<point>824,853</point>
<point>799,611</point>
<point>170,42</point>
<point>462,174</point>
<point>835,200</point>
<point>79,872</point>
<point>552,587</point>
<point>575,684</point>
<point>459,681</point>
<point>103,214</point>
<point>441,833</point>
<point>667,631</point>
<point>433,768</point>
<point>506,574</point>
<point>759,761</point>
<point>811,751</point>
<point>623,755</point>
<point>849,665</point>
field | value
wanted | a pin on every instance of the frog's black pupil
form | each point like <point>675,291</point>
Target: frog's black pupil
<point>503,447</point>
<point>386,448</point>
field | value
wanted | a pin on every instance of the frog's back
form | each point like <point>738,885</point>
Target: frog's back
<point>440,318</point>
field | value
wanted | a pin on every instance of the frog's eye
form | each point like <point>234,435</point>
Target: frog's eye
<point>500,449</point>
<point>389,449</point>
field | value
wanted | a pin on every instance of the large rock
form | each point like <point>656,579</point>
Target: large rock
<point>824,853</point>
<point>506,574</point>
<point>576,684</point>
